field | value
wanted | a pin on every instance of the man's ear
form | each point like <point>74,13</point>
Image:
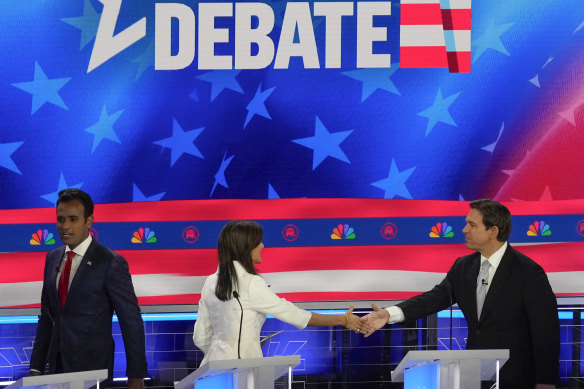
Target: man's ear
<point>494,232</point>
<point>89,221</point>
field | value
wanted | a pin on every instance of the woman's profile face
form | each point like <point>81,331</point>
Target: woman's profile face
<point>256,254</point>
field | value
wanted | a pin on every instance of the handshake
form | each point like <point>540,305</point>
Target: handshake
<point>369,323</point>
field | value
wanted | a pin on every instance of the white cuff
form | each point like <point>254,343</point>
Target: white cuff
<point>396,315</point>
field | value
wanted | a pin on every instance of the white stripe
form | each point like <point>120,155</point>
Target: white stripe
<point>352,281</point>
<point>20,293</point>
<point>457,40</point>
<point>455,4</point>
<point>567,282</point>
<point>420,35</point>
<point>167,284</point>
<point>25,293</point>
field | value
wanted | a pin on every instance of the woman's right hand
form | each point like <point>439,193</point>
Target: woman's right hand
<point>353,322</point>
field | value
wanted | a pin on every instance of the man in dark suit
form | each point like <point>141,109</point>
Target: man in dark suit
<point>84,283</point>
<point>519,310</point>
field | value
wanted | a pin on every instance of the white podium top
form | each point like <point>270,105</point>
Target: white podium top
<point>213,368</point>
<point>85,379</point>
<point>415,358</point>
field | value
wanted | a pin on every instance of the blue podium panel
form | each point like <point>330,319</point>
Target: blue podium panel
<point>423,377</point>
<point>215,382</point>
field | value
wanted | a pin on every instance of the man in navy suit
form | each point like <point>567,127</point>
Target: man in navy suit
<point>84,283</point>
<point>519,309</point>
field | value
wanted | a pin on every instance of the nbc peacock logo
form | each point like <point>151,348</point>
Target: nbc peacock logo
<point>144,235</point>
<point>42,237</point>
<point>539,228</point>
<point>343,231</point>
<point>441,230</point>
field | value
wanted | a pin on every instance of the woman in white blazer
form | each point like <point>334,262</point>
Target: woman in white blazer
<point>221,331</point>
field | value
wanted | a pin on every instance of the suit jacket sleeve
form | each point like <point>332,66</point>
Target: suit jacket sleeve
<point>263,300</point>
<point>438,298</point>
<point>121,293</point>
<point>44,333</point>
<point>542,311</point>
<point>203,332</point>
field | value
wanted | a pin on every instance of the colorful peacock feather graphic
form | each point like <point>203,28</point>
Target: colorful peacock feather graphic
<point>441,230</point>
<point>539,228</point>
<point>42,237</point>
<point>144,235</point>
<point>343,231</point>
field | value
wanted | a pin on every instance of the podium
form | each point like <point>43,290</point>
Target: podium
<point>452,369</point>
<point>252,373</point>
<point>78,380</point>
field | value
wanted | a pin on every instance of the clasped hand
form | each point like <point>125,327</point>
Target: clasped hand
<point>374,320</point>
<point>353,321</point>
<point>369,323</point>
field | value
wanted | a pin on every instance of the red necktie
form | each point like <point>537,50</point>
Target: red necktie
<point>64,280</point>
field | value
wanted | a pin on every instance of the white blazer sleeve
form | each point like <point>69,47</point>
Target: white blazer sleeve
<point>263,300</point>
<point>203,333</point>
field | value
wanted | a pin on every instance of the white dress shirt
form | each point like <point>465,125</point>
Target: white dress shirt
<point>79,251</point>
<point>217,328</point>
<point>396,314</point>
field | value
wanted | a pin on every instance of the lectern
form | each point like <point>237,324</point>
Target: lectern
<point>252,373</point>
<point>452,369</point>
<point>79,380</point>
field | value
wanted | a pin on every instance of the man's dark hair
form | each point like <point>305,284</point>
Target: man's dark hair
<point>70,194</point>
<point>494,214</point>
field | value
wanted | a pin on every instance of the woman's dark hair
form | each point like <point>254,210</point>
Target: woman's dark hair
<point>236,241</point>
<point>494,214</point>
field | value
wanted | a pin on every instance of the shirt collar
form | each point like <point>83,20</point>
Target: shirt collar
<point>81,249</point>
<point>239,269</point>
<point>495,259</point>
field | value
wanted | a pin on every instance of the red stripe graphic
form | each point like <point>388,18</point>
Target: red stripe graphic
<point>191,299</point>
<point>286,208</point>
<point>423,57</point>
<point>456,19</point>
<point>420,14</point>
<point>459,61</point>
<point>28,267</point>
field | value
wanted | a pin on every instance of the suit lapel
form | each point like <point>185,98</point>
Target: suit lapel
<point>501,276</point>
<point>84,269</point>
<point>53,266</point>
<point>471,286</point>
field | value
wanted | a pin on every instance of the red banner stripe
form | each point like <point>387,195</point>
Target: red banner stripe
<point>456,19</point>
<point>423,57</point>
<point>560,257</point>
<point>180,299</point>
<point>191,299</point>
<point>420,14</point>
<point>305,297</point>
<point>22,267</point>
<point>201,210</point>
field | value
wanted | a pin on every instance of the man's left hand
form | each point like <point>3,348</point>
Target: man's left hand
<point>135,383</point>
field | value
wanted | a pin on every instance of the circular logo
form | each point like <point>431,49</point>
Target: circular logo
<point>580,227</point>
<point>94,234</point>
<point>191,234</point>
<point>290,232</point>
<point>389,230</point>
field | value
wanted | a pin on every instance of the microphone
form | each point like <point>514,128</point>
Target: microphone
<point>451,303</point>
<point>236,295</point>
<point>484,282</point>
